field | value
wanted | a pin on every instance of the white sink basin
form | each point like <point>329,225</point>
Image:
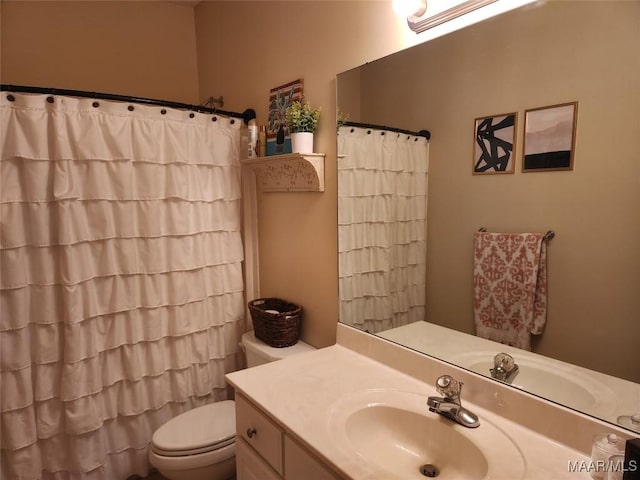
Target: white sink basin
<point>394,434</point>
<point>552,380</point>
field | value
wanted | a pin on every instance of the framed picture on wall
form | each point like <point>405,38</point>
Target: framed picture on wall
<point>278,138</point>
<point>549,137</point>
<point>494,144</point>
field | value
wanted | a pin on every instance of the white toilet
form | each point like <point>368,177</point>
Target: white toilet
<point>200,444</point>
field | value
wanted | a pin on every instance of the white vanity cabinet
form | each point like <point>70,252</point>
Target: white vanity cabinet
<point>264,451</point>
<point>250,465</point>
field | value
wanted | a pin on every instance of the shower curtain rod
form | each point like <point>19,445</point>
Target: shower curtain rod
<point>246,115</point>
<point>422,133</point>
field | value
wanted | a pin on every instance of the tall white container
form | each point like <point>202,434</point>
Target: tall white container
<point>253,139</point>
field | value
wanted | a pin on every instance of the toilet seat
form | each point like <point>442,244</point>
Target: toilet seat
<point>197,431</point>
<point>185,462</point>
<point>193,451</point>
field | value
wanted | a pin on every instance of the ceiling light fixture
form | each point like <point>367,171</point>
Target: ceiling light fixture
<point>409,8</point>
<point>419,24</point>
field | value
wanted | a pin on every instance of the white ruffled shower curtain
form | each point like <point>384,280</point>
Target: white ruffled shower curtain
<point>382,226</point>
<point>121,290</point>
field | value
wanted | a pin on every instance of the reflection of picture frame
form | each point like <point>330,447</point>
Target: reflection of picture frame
<point>549,137</point>
<point>494,144</point>
<point>278,138</point>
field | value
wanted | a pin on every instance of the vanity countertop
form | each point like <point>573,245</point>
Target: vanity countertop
<point>303,394</point>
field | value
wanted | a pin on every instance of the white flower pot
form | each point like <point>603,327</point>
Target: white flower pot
<point>302,142</point>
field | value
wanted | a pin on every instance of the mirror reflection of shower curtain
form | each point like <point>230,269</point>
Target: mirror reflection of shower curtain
<point>382,223</point>
<point>121,295</point>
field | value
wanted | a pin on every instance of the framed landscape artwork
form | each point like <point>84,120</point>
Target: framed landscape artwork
<point>549,137</point>
<point>494,144</point>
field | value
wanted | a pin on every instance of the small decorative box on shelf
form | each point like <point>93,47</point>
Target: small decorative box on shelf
<point>292,172</point>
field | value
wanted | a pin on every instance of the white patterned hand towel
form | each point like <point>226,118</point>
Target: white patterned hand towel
<point>509,287</point>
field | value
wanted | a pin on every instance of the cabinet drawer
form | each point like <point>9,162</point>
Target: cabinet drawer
<point>300,464</point>
<point>259,432</point>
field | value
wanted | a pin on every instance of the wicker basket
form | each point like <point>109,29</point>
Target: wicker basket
<point>280,329</point>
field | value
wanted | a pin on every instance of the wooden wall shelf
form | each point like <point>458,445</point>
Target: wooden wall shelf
<point>292,172</point>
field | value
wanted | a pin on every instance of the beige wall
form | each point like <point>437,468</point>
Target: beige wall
<point>557,53</point>
<point>244,50</point>
<point>144,49</point>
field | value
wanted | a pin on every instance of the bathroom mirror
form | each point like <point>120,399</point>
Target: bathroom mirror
<point>546,54</point>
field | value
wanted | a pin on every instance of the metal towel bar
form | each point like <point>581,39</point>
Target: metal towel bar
<point>547,236</point>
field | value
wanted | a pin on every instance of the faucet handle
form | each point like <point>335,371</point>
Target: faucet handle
<point>448,386</point>
<point>504,361</point>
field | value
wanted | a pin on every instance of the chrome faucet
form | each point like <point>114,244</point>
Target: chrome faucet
<point>504,368</point>
<point>449,404</point>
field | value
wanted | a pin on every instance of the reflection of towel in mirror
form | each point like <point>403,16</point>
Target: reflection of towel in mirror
<point>509,287</point>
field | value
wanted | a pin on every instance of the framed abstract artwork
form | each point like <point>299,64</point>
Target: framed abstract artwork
<point>278,138</point>
<point>549,137</point>
<point>494,144</point>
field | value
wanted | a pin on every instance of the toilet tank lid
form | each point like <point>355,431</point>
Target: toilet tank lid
<point>197,428</point>
<point>250,341</point>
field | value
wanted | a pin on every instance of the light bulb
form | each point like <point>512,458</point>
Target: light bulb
<point>408,8</point>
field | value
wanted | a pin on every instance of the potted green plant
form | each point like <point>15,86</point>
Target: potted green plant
<point>341,118</point>
<point>302,121</point>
